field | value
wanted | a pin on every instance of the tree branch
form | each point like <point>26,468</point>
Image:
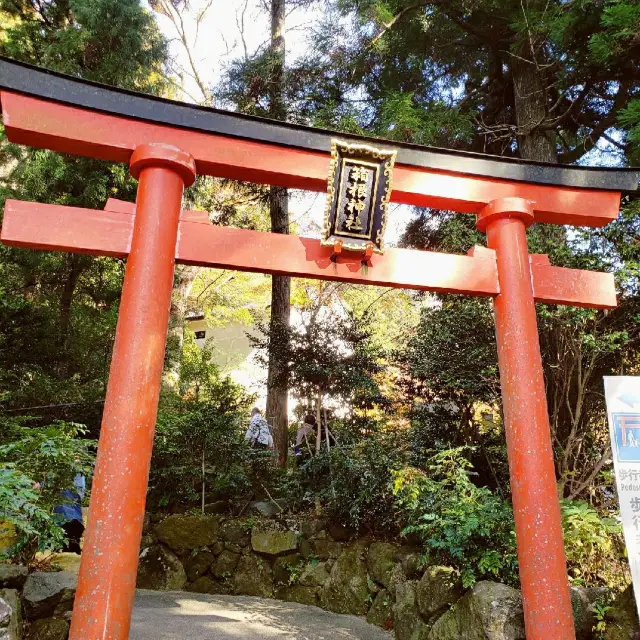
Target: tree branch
<point>389,25</point>
<point>590,141</point>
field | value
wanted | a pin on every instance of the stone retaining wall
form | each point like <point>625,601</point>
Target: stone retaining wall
<point>311,563</point>
<point>315,563</point>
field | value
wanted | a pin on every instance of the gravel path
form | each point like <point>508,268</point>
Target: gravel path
<point>176,614</point>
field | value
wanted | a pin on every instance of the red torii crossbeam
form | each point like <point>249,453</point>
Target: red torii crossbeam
<point>109,233</point>
<point>165,143</point>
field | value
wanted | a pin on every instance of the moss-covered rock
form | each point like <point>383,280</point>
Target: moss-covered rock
<point>225,564</point>
<point>311,528</point>
<point>438,588</point>
<point>325,549</point>
<point>407,624</point>
<point>10,615</point>
<point>298,593</point>
<point>380,562</point>
<point>234,533</point>
<point>160,569</point>
<point>381,611</point>
<point>396,578</point>
<point>622,618</point>
<point>489,611</point>
<point>206,584</point>
<point>217,547</point>
<point>287,569</point>
<point>13,576</point>
<point>49,629</point>
<point>314,574</point>
<point>346,590</point>
<point>48,594</point>
<point>253,577</point>
<point>198,564</point>
<point>583,614</point>
<point>274,543</point>
<point>181,532</point>
<point>412,562</point>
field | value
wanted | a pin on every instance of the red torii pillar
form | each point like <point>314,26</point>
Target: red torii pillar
<point>108,570</point>
<point>542,563</point>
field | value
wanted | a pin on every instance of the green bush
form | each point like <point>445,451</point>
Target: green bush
<point>472,529</point>
<point>36,528</point>
<point>459,523</point>
<point>199,452</point>
<point>594,546</point>
<point>355,484</point>
<point>38,463</point>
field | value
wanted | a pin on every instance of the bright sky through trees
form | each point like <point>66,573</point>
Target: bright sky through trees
<point>232,29</point>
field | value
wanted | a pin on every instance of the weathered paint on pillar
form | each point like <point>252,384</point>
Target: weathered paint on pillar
<point>106,585</point>
<point>543,571</point>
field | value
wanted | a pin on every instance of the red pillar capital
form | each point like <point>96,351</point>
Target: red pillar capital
<point>157,154</point>
<point>501,208</point>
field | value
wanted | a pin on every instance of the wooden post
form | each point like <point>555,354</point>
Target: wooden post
<point>108,570</point>
<point>543,570</point>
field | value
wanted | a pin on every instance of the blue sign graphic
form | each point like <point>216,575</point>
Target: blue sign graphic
<point>627,431</point>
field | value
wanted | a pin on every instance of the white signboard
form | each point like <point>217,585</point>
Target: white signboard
<point>622,395</point>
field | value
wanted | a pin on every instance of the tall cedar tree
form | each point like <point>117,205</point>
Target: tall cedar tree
<point>277,392</point>
<point>542,80</point>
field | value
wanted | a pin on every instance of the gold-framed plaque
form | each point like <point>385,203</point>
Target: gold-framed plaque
<point>358,192</point>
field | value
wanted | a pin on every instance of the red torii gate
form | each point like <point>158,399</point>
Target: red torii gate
<point>165,143</point>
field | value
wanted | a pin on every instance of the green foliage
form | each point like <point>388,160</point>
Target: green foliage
<point>39,464</point>
<point>620,27</point>
<point>600,609</point>
<point>199,450</point>
<point>58,312</point>
<point>355,482</point>
<point>459,523</point>
<point>35,527</point>
<point>330,354</point>
<point>452,354</point>
<point>593,545</point>
<point>110,41</point>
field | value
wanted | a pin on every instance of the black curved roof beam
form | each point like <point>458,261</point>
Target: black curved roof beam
<point>282,153</point>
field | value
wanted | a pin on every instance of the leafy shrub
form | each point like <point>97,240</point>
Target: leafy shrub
<point>593,545</point>
<point>459,523</point>
<point>355,484</point>
<point>472,529</point>
<point>199,450</point>
<point>38,464</point>
<point>35,527</point>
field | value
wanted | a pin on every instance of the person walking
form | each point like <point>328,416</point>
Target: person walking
<point>305,439</point>
<point>259,432</point>
<point>71,510</point>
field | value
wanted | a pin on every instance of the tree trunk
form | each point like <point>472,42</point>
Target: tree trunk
<point>326,430</point>
<point>183,281</point>
<point>203,478</point>
<point>538,144</point>
<point>531,109</point>
<point>318,423</point>
<point>76,266</point>
<point>277,391</point>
